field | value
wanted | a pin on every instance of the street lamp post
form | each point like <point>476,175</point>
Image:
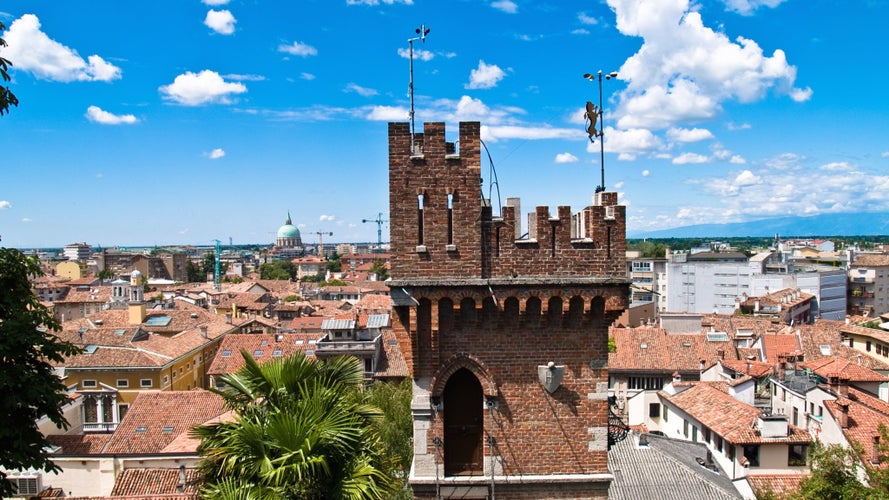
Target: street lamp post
<point>601,118</point>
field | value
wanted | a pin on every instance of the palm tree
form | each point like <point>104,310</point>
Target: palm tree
<point>300,430</point>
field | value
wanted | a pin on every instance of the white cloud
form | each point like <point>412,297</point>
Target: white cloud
<point>98,115</point>
<point>839,166</point>
<point>327,217</point>
<point>486,76</point>
<point>33,51</point>
<point>214,3</point>
<point>884,154</point>
<point>747,178</point>
<point>618,185</point>
<point>646,173</point>
<point>506,6</point>
<point>387,113</point>
<point>362,91</point>
<point>206,87</point>
<point>566,158</point>
<point>737,160</point>
<point>746,7</point>
<point>419,54</point>
<point>244,78</point>
<point>689,135</point>
<point>493,134</point>
<point>686,158</point>
<point>4,205</point>
<point>298,49</point>
<point>307,76</point>
<point>580,31</point>
<point>628,143</point>
<point>584,18</point>
<point>220,21</point>
<point>738,126</point>
<point>801,95</point>
<point>684,70</point>
<point>26,219</point>
<point>216,154</point>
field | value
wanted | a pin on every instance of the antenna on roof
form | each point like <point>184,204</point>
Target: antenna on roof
<point>422,31</point>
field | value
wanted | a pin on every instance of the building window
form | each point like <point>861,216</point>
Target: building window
<point>867,346</point>
<point>685,428</point>
<point>666,414</point>
<point>88,384</point>
<point>719,443</point>
<point>122,382</point>
<point>420,219</point>
<point>146,382</point>
<point>796,455</point>
<point>654,410</point>
<point>122,410</point>
<point>25,486</point>
<point>751,453</point>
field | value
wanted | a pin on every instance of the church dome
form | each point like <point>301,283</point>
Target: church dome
<point>288,230</point>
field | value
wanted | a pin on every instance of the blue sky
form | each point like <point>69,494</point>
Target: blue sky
<point>182,121</point>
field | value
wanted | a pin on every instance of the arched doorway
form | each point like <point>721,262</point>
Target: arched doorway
<point>463,424</point>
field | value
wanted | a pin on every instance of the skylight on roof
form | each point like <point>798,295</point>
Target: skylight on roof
<point>167,429</point>
<point>299,342</point>
<point>226,353</point>
<point>264,342</point>
<point>309,352</point>
<point>276,352</point>
<point>120,331</point>
<point>825,349</point>
<point>141,428</point>
<point>257,353</point>
<point>160,320</point>
<point>717,337</point>
<point>91,348</point>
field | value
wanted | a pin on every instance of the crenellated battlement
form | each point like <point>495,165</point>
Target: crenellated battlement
<point>442,227</point>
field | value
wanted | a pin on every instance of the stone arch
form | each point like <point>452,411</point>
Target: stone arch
<point>469,362</point>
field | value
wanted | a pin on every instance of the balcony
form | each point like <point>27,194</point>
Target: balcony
<point>100,426</point>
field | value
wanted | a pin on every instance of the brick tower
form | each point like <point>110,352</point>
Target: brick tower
<point>505,333</point>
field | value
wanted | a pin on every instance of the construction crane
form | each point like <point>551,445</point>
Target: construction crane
<point>216,282</point>
<point>380,221</point>
<point>321,235</point>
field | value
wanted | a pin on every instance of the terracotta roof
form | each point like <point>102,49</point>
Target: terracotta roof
<point>155,481</point>
<point>228,358</point>
<point>756,369</point>
<point>79,444</point>
<point>651,349</point>
<point>392,364</point>
<point>835,366</point>
<point>710,406</point>
<point>307,323</point>
<point>780,344</point>
<point>830,333</point>
<point>374,303</point>
<point>95,294</point>
<point>781,485</point>
<point>873,333</point>
<point>155,419</point>
<point>871,260</point>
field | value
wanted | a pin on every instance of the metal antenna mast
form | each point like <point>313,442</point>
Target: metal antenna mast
<point>380,221</point>
<point>422,31</point>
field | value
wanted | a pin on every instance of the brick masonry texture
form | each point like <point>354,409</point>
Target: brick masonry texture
<point>501,307</point>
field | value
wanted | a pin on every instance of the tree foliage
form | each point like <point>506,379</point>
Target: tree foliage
<point>300,430</point>
<point>334,263</point>
<point>837,472</point>
<point>278,270</point>
<point>379,268</point>
<point>7,98</point>
<point>29,388</point>
<point>396,429</point>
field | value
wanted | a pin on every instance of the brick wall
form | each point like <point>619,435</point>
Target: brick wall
<point>470,295</point>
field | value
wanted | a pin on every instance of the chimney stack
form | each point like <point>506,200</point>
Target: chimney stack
<point>843,415</point>
<point>204,331</point>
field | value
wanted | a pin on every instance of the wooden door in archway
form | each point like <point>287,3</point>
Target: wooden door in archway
<point>463,424</point>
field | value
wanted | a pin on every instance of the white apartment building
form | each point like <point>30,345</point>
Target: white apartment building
<point>709,282</point>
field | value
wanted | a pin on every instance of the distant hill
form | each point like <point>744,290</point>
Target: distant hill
<point>857,224</point>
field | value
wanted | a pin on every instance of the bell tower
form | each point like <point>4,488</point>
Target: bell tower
<point>505,331</point>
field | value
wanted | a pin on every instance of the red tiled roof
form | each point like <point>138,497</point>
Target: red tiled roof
<point>835,366</point>
<point>228,358</point>
<point>392,364</point>
<point>651,349</point>
<point>79,444</point>
<point>780,344</point>
<point>156,418</point>
<point>871,260</point>
<point>710,406</point>
<point>781,485</point>
<point>155,481</point>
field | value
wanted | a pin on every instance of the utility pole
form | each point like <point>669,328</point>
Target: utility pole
<point>380,221</point>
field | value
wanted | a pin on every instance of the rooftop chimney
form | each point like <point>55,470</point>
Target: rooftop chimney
<point>843,414</point>
<point>204,331</point>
